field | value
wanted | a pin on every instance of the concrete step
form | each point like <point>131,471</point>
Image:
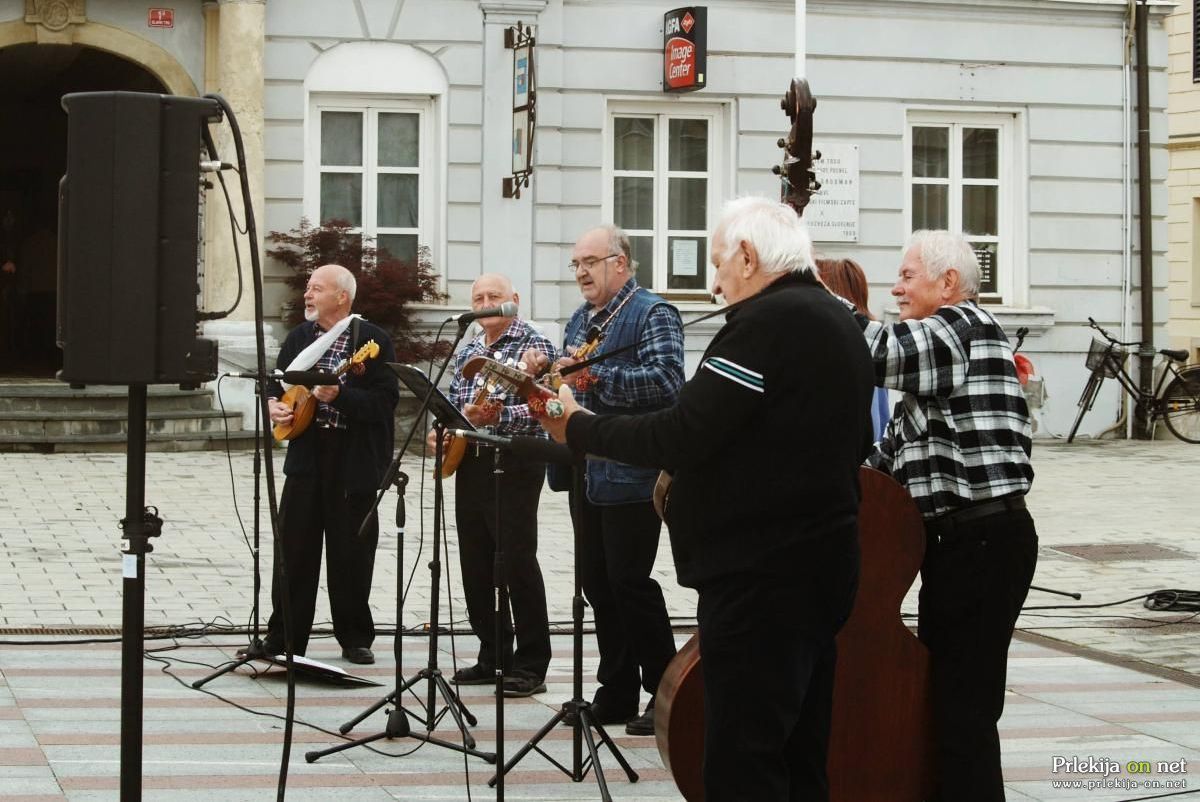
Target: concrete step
<point>54,396</point>
<point>49,424</point>
<point>48,416</point>
<point>117,443</point>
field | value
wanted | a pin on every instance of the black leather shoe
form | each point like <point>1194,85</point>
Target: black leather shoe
<point>475,675</point>
<point>358,654</point>
<point>642,725</point>
<point>608,714</point>
<point>520,686</point>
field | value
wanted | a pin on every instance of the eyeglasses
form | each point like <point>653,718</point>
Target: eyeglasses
<point>589,263</point>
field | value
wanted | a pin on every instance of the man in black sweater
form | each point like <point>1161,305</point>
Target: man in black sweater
<point>333,469</point>
<point>764,444</point>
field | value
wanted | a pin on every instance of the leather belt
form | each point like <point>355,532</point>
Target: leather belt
<point>946,526</point>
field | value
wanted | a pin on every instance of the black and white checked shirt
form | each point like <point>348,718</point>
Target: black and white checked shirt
<point>961,433</point>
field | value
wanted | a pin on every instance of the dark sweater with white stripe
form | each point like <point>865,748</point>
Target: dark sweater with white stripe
<point>765,440</point>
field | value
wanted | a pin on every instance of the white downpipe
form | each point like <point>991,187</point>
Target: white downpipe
<point>1127,211</point>
<point>801,37</point>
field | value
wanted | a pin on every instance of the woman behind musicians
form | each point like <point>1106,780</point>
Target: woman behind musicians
<point>845,277</point>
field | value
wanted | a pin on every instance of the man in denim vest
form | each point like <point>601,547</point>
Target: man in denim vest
<point>620,527</point>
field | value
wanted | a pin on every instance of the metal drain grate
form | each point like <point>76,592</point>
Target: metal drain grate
<point>1118,552</point>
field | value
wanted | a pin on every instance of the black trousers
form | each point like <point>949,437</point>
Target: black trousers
<point>768,651</point>
<point>315,510</point>
<point>633,632</point>
<point>474,513</point>
<point>973,584</point>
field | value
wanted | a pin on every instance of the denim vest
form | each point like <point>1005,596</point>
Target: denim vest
<point>614,482</point>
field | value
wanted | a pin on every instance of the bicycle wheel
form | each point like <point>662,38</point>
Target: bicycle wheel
<point>1181,405</point>
<point>1090,391</point>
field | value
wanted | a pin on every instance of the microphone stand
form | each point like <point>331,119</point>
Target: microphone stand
<point>397,725</point>
<point>577,711</point>
<point>255,649</point>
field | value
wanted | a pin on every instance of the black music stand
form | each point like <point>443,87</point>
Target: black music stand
<point>446,416</point>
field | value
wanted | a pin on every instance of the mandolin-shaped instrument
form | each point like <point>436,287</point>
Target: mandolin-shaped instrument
<point>304,405</point>
<point>456,447</point>
<point>516,381</point>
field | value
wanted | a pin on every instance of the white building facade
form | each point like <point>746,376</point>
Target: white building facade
<point>1007,119</point>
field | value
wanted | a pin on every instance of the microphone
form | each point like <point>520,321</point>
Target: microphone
<point>306,377</point>
<point>506,309</point>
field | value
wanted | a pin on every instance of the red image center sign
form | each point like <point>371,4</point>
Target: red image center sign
<point>685,44</point>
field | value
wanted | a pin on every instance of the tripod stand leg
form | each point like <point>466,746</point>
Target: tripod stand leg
<point>236,664</point>
<point>354,722</point>
<point>456,707</point>
<point>595,758</point>
<point>529,746</point>
<point>588,717</point>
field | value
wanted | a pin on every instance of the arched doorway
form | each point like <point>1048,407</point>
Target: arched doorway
<point>33,142</point>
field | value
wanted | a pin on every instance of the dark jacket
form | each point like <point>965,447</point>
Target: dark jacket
<point>367,404</point>
<point>765,440</point>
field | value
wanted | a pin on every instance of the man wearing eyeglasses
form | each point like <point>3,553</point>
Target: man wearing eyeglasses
<point>620,527</point>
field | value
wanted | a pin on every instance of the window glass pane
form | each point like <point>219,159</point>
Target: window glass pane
<point>686,261</point>
<point>687,204</point>
<point>642,249</point>
<point>633,143</point>
<point>981,153</point>
<point>688,145</point>
<point>931,152</point>
<point>341,138</point>
<point>633,202</point>
<point>930,207</point>
<point>341,197</point>
<point>398,198</point>
<point>986,253</point>
<point>401,246</point>
<point>399,140</point>
<point>979,210</point>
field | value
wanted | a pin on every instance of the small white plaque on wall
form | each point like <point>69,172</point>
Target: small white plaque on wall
<point>832,214</point>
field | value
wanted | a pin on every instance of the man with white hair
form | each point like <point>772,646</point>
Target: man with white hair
<point>959,441</point>
<point>333,469</point>
<point>764,443</point>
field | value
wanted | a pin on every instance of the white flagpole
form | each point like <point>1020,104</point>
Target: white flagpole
<point>801,37</point>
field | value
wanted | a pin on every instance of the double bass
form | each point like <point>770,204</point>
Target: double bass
<point>881,737</point>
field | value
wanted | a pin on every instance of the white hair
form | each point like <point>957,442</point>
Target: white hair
<point>344,280</point>
<point>941,250</point>
<point>779,236</point>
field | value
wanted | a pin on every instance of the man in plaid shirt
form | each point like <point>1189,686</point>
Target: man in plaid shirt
<point>959,441</point>
<point>620,529</point>
<point>503,339</point>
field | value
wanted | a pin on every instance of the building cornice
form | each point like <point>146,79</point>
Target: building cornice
<point>527,8</point>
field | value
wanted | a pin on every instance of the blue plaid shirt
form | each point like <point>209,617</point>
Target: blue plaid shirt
<point>516,339</point>
<point>328,417</point>
<point>656,379</point>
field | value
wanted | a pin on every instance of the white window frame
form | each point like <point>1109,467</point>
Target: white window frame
<point>718,169</point>
<point>1012,267</point>
<point>370,107</point>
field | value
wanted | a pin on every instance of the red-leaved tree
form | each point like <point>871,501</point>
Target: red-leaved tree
<point>387,286</point>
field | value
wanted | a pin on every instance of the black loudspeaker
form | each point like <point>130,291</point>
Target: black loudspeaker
<point>129,240</point>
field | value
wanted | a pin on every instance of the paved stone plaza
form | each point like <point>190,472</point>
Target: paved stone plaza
<point>1116,520</point>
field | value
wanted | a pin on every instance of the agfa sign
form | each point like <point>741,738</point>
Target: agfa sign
<point>685,49</point>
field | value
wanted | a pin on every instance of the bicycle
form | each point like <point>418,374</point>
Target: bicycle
<point>1176,402</point>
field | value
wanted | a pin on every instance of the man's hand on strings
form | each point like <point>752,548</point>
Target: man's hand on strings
<point>485,414</point>
<point>557,427</point>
